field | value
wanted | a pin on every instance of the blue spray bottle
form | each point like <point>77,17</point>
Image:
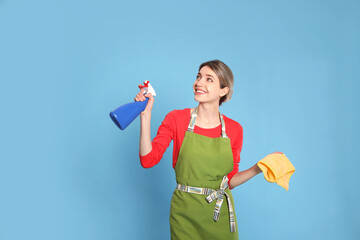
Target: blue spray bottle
<point>125,114</point>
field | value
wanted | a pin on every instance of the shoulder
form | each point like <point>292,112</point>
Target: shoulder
<point>179,113</point>
<point>234,130</point>
<point>232,124</point>
<point>177,120</point>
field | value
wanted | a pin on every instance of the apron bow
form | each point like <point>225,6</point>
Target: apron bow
<point>219,196</point>
<point>212,195</point>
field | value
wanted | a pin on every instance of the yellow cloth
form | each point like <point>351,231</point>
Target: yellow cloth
<point>277,168</point>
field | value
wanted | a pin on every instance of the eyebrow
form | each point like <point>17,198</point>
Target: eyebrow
<point>209,75</point>
<point>206,75</point>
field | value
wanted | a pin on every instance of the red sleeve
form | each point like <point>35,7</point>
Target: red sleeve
<point>236,137</point>
<point>160,143</point>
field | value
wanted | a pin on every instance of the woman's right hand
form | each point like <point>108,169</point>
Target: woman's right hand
<point>141,97</point>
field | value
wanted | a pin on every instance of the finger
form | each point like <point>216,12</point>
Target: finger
<point>141,89</point>
<point>149,95</point>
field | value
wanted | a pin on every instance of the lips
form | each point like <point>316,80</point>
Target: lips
<point>199,91</point>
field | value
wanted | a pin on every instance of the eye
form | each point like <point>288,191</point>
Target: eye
<point>210,80</point>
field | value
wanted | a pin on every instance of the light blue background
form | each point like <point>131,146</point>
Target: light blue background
<point>67,172</point>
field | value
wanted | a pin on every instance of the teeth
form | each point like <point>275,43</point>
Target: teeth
<point>200,91</point>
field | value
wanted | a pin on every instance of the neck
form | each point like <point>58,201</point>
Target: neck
<point>208,113</point>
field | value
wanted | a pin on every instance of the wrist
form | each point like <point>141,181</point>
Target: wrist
<point>145,115</point>
<point>257,169</point>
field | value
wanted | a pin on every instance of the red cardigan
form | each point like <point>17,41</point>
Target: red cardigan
<point>174,127</point>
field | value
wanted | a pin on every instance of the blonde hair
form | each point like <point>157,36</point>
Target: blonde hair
<point>225,75</point>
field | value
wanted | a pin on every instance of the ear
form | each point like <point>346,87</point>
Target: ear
<point>224,91</point>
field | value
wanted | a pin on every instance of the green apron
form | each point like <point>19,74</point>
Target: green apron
<point>202,163</point>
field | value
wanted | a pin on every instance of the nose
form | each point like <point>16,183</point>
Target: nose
<point>200,82</point>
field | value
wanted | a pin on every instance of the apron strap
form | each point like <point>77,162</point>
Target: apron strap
<point>193,118</point>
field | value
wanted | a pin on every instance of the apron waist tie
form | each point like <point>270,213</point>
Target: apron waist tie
<point>212,195</point>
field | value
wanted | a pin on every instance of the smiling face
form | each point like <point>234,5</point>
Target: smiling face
<point>207,87</point>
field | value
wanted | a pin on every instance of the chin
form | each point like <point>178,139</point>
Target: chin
<point>199,101</point>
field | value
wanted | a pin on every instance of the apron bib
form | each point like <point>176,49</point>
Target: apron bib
<point>202,163</point>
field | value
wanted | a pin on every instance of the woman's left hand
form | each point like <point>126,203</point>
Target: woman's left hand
<point>276,152</point>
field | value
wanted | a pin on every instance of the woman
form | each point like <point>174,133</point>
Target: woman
<point>206,156</point>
